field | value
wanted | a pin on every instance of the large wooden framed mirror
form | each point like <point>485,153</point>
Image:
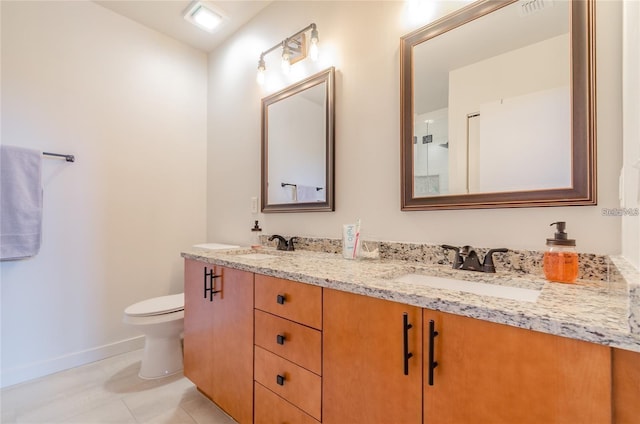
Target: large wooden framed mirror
<point>498,107</point>
<point>298,146</point>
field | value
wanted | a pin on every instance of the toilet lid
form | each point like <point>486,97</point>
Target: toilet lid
<point>157,306</point>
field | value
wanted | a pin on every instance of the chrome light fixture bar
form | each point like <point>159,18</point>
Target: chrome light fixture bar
<point>294,49</point>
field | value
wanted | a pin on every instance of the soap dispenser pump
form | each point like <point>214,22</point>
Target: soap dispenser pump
<point>255,235</point>
<point>561,259</point>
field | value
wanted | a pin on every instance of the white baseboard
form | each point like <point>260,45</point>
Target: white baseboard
<point>9,377</point>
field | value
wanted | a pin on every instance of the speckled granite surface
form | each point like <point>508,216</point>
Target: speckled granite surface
<point>595,311</point>
<point>632,276</point>
<point>591,266</point>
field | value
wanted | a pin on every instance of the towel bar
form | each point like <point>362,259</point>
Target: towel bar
<point>68,158</point>
<point>295,185</point>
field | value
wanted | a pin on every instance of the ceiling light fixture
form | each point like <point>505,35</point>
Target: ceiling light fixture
<point>203,16</point>
<point>294,49</point>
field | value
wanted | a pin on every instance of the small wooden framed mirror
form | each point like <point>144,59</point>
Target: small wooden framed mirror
<point>298,146</point>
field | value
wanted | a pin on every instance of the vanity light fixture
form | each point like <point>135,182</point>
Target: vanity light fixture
<point>203,16</point>
<point>261,69</point>
<point>294,49</point>
<point>286,57</point>
<point>313,49</point>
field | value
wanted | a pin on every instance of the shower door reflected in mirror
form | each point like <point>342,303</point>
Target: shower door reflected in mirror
<point>297,146</point>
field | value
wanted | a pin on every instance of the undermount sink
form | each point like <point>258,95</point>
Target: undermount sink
<point>484,289</point>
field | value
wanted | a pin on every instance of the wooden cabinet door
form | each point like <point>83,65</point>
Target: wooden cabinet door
<point>364,379</point>
<point>198,328</point>
<point>626,387</point>
<point>232,349</point>
<point>294,301</point>
<point>290,381</point>
<point>218,337</point>
<point>295,342</point>
<point>272,409</point>
<point>492,373</point>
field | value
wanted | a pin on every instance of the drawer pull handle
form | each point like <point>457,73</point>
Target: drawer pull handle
<point>211,288</point>
<point>280,338</point>
<point>432,340</point>
<point>280,380</point>
<point>405,332</point>
<point>280,299</point>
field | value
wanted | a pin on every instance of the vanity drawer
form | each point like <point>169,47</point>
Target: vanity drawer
<point>292,341</point>
<point>295,301</point>
<point>299,386</point>
<point>272,409</point>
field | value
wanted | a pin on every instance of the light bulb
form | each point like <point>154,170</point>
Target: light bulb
<point>286,66</point>
<point>261,69</point>
<point>286,63</point>
<point>313,49</point>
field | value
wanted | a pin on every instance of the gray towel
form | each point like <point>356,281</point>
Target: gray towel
<point>20,202</point>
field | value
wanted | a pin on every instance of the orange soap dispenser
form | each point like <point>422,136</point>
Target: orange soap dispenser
<point>561,258</point>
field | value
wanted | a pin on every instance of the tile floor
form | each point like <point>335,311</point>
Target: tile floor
<point>108,391</point>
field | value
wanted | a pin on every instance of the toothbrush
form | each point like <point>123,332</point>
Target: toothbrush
<point>355,245</point>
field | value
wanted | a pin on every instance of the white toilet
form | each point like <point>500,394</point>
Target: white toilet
<point>161,320</point>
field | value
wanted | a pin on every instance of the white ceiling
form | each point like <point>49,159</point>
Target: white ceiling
<point>166,16</point>
<point>496,33</point>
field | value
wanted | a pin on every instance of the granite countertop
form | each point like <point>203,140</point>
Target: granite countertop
<point>603,312</point>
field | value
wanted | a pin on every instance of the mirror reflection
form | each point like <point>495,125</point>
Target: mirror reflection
<point>492,104</point>
<point>497,107</point>
<point>298,146</point>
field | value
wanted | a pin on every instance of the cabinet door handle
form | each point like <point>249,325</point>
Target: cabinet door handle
<point>280,338</point>
<point>280,299</point>
<point>280,380</point>
<point>210,289</point>
<point>405,332</point>
<point>432,339</point>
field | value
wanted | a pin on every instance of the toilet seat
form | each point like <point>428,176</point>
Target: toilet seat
<point>157,306</point>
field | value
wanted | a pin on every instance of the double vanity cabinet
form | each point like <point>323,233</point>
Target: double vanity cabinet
<point>288,351</point>
<point>269,350</point>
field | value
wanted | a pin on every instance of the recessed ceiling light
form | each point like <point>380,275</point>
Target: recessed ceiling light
<point>203,16</point>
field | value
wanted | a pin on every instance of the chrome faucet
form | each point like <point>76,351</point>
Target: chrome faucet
<point>467,259</point>
<point>283,244</point>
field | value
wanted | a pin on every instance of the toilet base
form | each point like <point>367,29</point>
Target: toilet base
<point>162,357</point>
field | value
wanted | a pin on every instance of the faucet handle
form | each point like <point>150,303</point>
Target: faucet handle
<point>448,247</point>
<point>457,261</point>
<point>487,264</point>
<point>290,245</point>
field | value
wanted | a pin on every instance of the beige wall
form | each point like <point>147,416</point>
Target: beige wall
<point>130,104</point>
<point>362,40</point>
